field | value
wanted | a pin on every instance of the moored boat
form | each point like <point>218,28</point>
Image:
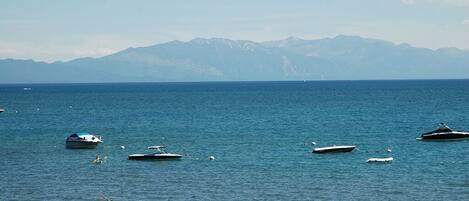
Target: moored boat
<point>333,149</point>
<point>82,140</point>
<point>2,110</point>
<point>444,133</point>
<point>159,154</point>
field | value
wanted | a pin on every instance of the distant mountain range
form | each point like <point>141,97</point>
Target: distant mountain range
<point>217,59</point>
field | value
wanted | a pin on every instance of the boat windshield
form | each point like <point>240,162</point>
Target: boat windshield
<point>443,128</point>
<point>158,149</point>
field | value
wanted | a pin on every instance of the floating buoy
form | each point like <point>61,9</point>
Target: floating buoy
<point>313,143</point>
<point>389,150</point>
<point>122,147</point>
<point>211,158</point>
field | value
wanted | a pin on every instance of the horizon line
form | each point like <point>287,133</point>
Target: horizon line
<point>232,81</point>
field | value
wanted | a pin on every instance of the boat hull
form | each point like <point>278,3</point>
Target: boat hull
<point>380,160</point>
<point>335,149</point>
<point>446,136</point>
<point>154,156</point>
<point>81,144</point>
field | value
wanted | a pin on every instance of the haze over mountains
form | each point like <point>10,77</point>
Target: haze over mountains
<point>217,59</point>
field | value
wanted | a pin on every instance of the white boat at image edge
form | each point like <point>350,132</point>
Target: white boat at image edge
<point>82,140</point>
<point>159,154</point>
<point>2,110</point>
<point>333,149</point>
<point>380,160</point>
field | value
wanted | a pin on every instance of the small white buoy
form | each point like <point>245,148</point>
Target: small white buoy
<point>122,147</point>
<point>211,158</point>
<point>389,150</point>
<point>313,143</point>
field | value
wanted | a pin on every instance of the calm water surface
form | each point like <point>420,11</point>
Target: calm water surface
<point>259,132</point>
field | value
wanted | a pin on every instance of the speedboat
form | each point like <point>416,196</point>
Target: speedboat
<point>333,149</point>
<point>82,140</point>
<point>2,110</point>
<point>159,154</point>
<point>380,160</point>
<point>444,133</point>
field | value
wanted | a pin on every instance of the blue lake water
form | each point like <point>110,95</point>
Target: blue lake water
<point>259,132</point>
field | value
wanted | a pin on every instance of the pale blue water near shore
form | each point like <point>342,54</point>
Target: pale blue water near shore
<point>259,132</point>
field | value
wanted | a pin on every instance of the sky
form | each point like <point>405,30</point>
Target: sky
<point>57,30</point>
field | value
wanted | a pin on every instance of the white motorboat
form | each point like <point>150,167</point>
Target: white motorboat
<point>333,149</point>
<point>159,154</point>
<point>2,110</point>
<point>380,160</point>
<point>82,140</point>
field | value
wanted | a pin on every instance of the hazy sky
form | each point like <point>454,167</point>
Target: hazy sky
<point>63,30</point>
